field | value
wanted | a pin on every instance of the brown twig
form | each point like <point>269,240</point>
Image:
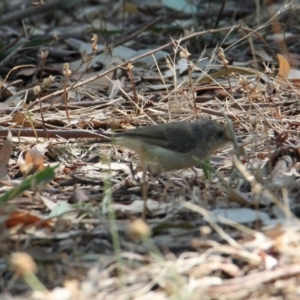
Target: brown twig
<point>66,134</point>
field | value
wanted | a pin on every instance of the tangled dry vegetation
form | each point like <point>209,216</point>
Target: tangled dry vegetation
<point>71,213</point>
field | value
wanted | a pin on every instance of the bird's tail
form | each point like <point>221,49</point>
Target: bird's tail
<point>105,138</point>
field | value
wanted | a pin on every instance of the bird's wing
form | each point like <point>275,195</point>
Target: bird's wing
<point>177,136</point>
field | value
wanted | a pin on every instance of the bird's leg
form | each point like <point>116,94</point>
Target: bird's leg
<point>144,188</point>
<point>165,186</point>
<point>133,172</point>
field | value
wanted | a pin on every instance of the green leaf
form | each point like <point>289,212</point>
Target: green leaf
<point>62,207</point>
<point>34,182</point>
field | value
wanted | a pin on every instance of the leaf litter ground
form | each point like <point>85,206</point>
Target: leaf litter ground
<point>235,235</point>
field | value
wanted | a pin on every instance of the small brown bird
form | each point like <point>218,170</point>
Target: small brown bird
<point>172,146</point>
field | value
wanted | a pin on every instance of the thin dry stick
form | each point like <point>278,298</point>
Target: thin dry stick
<point>43,120</point>
<point>12,46</point>
<point>85,59</point>
<point>128,97</point>
<point>163,81</point>
<point>216,227</point>
<point>67,73</point>
<point>220,14</point>
<point>252,48</point>
<point>43,54</point>
<point>10,71</point>
<point>135,95</point>
<point>183,93</point>
<point>144,187</point>
<point>187,55</point>
<point>225,65</point>
<point>52,133</point>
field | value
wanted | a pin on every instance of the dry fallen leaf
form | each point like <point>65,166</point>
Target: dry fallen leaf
<point>78,195</point>
<point>19,118</point>
<point>25,219</point>
<point>284,70</point>
<point>34,159</point>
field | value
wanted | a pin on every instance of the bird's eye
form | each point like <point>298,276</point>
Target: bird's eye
<point>220,134</point>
